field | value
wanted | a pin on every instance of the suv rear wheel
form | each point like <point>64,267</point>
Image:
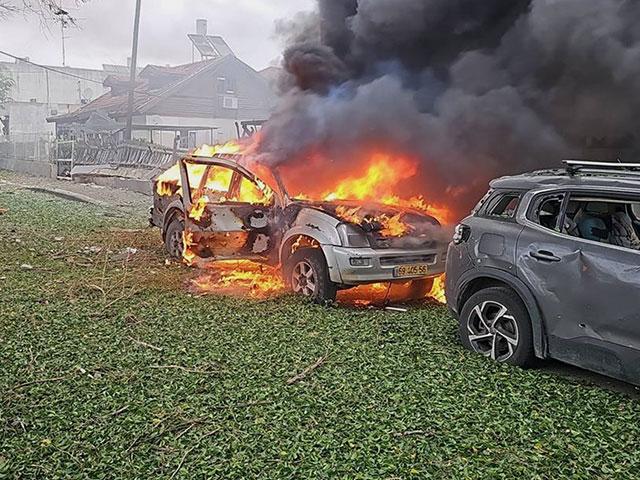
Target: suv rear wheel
<point>307,274</point>
<point>495,323</point>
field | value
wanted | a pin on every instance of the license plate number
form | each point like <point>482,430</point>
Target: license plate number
<point>411,271</point>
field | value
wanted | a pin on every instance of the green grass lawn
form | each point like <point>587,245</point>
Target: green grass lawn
<point>110,369</point>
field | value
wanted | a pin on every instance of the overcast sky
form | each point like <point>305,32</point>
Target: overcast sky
<point>106,29</point>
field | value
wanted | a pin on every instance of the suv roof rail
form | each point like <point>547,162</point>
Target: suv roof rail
<point>576,166</point>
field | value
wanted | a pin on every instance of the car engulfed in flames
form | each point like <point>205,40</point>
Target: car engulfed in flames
<point>220,209</point>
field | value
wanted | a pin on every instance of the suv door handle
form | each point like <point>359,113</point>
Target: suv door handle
<point>544,256</point>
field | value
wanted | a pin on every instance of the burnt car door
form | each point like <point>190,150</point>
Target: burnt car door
<point>586,283</point>
<point>229,213</point>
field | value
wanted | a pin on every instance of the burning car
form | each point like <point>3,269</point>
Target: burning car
<point>215,205</point>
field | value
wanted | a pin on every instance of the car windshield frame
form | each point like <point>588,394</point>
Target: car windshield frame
<point>233,164</point>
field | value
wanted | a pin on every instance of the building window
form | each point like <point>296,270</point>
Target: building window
<point>230,103</point>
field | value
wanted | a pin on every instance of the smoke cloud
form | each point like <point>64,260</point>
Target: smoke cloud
<point>473,88</point>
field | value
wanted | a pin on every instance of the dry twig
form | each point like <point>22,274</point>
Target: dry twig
<point>184,457</point>
<point>38,382</point>
<point>119,411</point>
<point>145,344</point>
<point>184,369</point>
<point>307,371</point>
<point>413,433</point>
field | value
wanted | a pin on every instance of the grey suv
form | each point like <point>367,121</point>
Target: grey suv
<point>548,266</point>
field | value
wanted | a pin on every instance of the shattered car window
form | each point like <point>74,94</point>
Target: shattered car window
<point>611,221</point>
<point>546,212</point>
<point>504,205</point>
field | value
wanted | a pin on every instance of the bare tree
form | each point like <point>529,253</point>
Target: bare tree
<point>45,10</point>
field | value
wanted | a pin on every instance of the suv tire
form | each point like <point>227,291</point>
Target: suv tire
<point>495,323</point>
<point>173,241</point>
<point>307,274</point>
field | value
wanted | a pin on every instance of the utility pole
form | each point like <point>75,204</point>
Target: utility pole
<point>134,68</point>
<point>63,24</point>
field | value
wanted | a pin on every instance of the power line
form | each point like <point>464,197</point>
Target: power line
<point>78,77</point>
<point>68,74</point>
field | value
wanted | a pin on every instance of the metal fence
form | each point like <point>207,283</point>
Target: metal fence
<point>104,151</point>
<point>130,154</point>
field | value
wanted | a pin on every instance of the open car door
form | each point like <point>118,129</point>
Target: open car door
<point>229,213</point>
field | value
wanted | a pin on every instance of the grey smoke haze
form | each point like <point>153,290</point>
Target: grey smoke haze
<point>476,88</point>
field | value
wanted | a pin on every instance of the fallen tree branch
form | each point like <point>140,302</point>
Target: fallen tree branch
<point>307,371</point>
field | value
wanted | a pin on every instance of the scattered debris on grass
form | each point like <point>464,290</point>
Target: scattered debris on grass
<point>396,309</point>
<point>420,403</point>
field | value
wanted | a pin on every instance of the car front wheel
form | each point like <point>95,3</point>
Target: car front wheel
<point>307,274</point>
<point>495,323</point>
<point>173,241</point>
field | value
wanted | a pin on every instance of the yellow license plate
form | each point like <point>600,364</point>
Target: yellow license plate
<point>411,271</point>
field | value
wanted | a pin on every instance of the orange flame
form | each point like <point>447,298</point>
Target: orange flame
<point>240,278</point>
<point>392,226</point>
<point>383,178</point>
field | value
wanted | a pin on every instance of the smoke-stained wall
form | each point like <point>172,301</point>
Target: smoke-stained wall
<point>474,88</point>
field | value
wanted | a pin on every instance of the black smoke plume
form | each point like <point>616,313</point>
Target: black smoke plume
<point>474,88</point>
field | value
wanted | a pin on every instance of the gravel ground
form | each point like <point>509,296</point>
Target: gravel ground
<point>131,202</point>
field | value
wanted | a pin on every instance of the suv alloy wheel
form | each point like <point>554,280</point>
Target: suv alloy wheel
<point>495,323</point>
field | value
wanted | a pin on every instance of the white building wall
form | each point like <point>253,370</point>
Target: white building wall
<point>27,119</point>
<point>224,129</point>
<point>39,93</point>
<point>33,83</point>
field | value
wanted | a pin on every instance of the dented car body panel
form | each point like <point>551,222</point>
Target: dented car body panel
<point>581,287</point>
<point>224,229</point>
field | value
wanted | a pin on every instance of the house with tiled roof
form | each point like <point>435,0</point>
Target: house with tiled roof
<point>204,101</point>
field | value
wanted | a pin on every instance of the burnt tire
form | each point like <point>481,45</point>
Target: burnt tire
<point>419,289</point>
<point>495,323</point>
<point>307,274</point>
<point>173,238</point>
